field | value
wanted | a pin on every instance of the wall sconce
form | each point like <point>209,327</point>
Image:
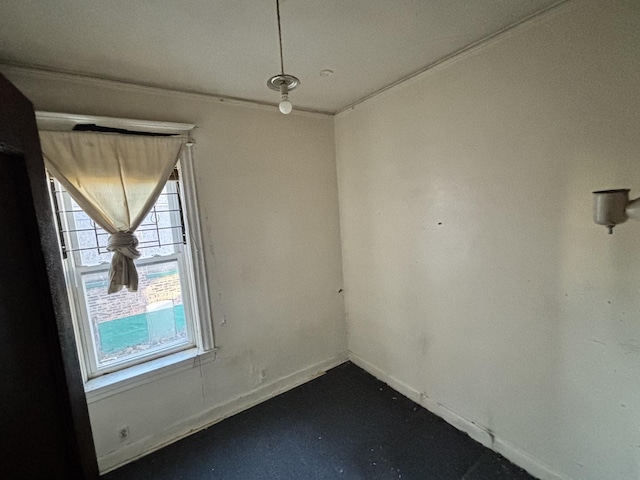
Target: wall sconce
<point>611,207</point>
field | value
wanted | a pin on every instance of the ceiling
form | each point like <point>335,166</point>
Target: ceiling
<point>230,47</point>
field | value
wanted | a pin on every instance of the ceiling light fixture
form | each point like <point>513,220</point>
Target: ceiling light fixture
<point>282,83</point>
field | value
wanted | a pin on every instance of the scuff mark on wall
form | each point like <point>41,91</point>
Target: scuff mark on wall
<point>630,346</point>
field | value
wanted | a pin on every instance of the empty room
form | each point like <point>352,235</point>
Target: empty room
<point>320,239</point>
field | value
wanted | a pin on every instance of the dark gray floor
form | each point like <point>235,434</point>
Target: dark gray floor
<point>343,425</point>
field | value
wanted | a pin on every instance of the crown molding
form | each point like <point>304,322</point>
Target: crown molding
<point>49,74</point>
<point>485,42</point>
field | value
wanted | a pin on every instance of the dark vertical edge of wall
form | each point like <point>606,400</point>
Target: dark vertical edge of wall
<point>18,131</point>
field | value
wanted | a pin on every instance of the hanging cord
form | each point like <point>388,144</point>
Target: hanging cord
<point>280,36</point>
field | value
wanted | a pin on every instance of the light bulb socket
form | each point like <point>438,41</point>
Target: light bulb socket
<point>283,84</point>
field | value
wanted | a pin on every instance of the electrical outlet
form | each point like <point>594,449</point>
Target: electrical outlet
<point>123,433</point>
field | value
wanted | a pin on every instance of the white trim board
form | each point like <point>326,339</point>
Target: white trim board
<point>66,121</point>
<point>479,433</point>
<point>178,431</point>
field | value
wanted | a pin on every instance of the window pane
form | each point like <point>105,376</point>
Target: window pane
<point>127,325</point>
<point>159,234</point>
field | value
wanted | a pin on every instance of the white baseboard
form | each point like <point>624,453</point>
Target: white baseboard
<point>478,432</point>
<point>133,451</point>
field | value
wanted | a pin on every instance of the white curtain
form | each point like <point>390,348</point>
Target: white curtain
<point>115,179</point>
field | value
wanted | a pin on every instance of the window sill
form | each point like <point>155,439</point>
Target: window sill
<point>113,383</point>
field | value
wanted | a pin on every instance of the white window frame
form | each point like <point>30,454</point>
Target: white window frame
<point>75,269</point>
<point>195,294</point>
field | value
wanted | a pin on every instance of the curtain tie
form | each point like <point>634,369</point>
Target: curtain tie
<point>124,242</point>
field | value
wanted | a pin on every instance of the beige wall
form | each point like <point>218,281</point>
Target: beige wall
<point>475,280</point>
<point>266,185</point>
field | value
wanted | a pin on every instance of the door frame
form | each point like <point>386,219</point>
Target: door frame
<point>19,139</point>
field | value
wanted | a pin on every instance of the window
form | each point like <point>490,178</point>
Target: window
<point>165,316</point>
